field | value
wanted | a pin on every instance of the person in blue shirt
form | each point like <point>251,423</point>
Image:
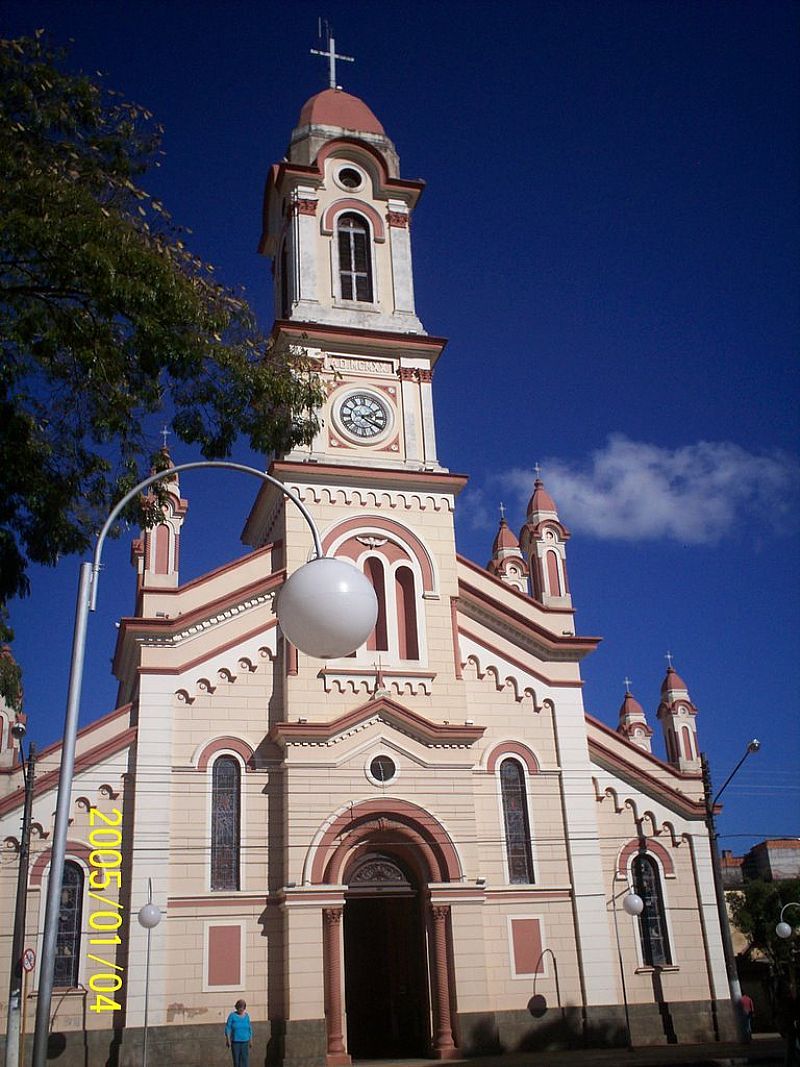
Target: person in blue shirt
<point>239,1035</point>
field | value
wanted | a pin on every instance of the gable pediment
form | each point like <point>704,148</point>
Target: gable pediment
<point>381,710</point>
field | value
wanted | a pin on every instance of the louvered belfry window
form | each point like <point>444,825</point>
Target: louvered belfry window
<point>517,826</point>
<point>68,938</point>
<point>355,261</point>
<point>225,823</point>
<point>652,921</point>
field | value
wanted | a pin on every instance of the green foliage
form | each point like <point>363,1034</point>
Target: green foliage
<point>755,910</point>
<point>105,317</point>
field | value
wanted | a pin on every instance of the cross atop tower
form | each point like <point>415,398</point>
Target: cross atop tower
<point>668,658</point>
<point>627,682</point>
<point>502,510</point>
<point>537,470</point>
<point>332,56</point>
<point>165,433</point>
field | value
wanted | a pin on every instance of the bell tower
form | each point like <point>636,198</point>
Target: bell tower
<point>337,223</point>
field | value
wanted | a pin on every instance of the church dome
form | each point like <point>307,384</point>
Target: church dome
<point>672,680</point>
<point>504,539</point>
<point>541,499</point>
<point>334,107</point>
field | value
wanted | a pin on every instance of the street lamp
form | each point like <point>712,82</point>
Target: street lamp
<point>149,917</point>
<point>632,905</point>
<point>327,608</point>
<point>713,838</point>
<point>783,929</point>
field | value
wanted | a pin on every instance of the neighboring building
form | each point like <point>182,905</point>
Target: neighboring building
<point>388,854</point>
<point>773,860</point>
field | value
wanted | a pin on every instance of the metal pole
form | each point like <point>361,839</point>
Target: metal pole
<point>48,960</point>
<point>13,1028</point>
<point>719,892</point>
<point>146,995</point>
<point>622,970</point>
<point>86,602</point>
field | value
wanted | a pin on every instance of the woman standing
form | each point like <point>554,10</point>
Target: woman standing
<point>239,1035</point>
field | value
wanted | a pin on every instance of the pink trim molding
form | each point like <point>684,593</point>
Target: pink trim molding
<point>230,744</point>
<point>512,748</point>
<point>361,208</point>
<point>654,847</point>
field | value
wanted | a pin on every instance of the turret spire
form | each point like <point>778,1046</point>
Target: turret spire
<point>677,715</point>
<point>507,562</point>
<point>543,539</point>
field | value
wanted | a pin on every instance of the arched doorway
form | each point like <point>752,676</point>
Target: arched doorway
<point>386,984</point>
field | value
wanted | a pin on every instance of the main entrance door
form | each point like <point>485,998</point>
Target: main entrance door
<point>386,986</point>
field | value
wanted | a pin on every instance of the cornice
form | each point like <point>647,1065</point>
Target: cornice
<point>524,598</point>
<point>312,334</point>
<point>410,481</point>
<point>616,764</point>
<point>512,624</point>
<point>383,709</point>
<point>83,762</point>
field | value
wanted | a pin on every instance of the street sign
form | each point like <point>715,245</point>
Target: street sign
<point>28,959</point>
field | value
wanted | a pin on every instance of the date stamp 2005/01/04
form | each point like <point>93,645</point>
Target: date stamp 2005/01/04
<point>105,861</point>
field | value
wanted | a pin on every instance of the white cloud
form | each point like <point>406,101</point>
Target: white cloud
<point>695,494</point>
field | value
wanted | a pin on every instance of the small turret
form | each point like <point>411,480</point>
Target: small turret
<point>543,540</point>
<point>156,553</point>
<point>633,721</point>
<point>507,562</point>
<point>677,715</point>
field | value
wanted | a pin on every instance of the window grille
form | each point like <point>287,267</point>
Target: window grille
<point>652,921</point>
<point>517,826</point>
<point>355,266</point>
<point>68,938</point>
<point>225,823</point>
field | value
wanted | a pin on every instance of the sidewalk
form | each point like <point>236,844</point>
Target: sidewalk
<point>763,1049</point>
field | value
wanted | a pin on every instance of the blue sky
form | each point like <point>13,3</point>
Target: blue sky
<point>609,239</point>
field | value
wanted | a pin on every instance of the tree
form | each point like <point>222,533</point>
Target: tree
<point>755,910</point>
<point>106,317</point>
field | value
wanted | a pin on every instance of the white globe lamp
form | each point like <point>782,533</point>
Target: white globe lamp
<point>633,904</point>
<point>149,916</point>
<point>783,930</point>
<point>327,608</point>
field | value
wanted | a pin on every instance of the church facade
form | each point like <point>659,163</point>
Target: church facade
<point>421,849</point>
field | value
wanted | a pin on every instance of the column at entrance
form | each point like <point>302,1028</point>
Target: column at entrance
<point>332,948</point>
<point>444,1048</point>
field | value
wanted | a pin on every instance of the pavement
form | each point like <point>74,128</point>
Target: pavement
<point>763,1049</point>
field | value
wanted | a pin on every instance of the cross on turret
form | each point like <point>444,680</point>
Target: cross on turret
<point>332,57</point>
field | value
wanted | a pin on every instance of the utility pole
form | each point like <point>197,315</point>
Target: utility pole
<point>713,839</point>
<point>13,1035</point>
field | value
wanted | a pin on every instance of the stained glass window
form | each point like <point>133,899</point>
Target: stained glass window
<point>652,921</point>
<point>68,938</point>
<point>225,817</point>
<point>517,826</point>
<point>355,266</point>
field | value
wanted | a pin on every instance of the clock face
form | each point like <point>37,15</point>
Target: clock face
<point>363,415</point>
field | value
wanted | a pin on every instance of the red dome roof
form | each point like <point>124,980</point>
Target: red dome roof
<point>333,107</point>
<point>630,706</point>
<point>504,539</point>
<point>541,499</point>
<point>673,680</point>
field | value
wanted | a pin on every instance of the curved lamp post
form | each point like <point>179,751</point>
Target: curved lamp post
<point>632,904</point>
<point>783,929</point>
<point>327,608</point>
<point>149,917</point>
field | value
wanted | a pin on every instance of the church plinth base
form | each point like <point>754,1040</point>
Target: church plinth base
<point>337,1059</point>
<point>447,1054</point>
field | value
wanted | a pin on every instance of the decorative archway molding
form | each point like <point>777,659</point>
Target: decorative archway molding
<point>75,850</point>
<point>338,534</point>
<point>654,848</point>
<point>227,743</point>
<point>512,748</point>
<point>426,837</point>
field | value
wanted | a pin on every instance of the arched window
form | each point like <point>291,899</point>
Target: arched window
<point>225,823</point>
<point>652,921</point>
<point>407,636</point>
<point>686,735</point>
<point>554,575</point>
<point>68,938</point>
<point>355,258</point>
<point>515,820</point>
<point>378,640</point>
